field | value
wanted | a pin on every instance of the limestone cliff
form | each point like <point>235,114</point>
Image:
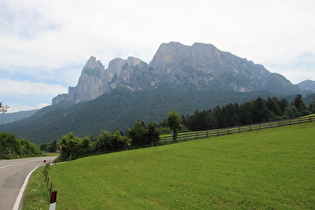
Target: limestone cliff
<point>200,67</point>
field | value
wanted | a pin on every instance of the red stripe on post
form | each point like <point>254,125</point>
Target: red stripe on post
<point>53,197</point>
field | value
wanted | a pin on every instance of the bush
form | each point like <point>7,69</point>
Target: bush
<point>11,147</point>
<point>141,134</point>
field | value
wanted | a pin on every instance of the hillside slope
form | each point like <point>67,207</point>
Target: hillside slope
<point>11,117</point>
<point>120,109</point>
<point>307,85</point>
<point>264,169</point>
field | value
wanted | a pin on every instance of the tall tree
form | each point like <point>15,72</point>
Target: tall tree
<point>298,103</point>
<point>69,146</point>
<point>260,112</point>
<point>283,104</point>
<point>273,105</point>
<point>173,121</point>
<point>153,135</point>
<point>245,116</point>
<point>312,106</point>
<point>141,135</point>
<point>137,134</point>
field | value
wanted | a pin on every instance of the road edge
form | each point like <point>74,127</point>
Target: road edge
<point>20,195</point>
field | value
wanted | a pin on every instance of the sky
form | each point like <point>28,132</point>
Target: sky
<point>45,44</point>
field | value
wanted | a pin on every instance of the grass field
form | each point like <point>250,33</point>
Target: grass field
<point>36,195</point>
<point>267,169</point>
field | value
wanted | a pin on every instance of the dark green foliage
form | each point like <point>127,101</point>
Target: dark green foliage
<point>111,142</point>
<point>259,111</point>
<point>244,114</point>
<point>173,121</point>
<point>312,106</point>
<point>117,109</point>
<point>204,119</point>
<point>141,134</point>
<point>29,148</point>
<point>9,144</point>
<point>122,107</point>
<point>273,105</point>
<point>291,112</point>
<point>298,103</point>
<point>49,147</point>
<point>73,147</point>
<point>70,147</point>
<point>256,111</point>
<point>11,147</point>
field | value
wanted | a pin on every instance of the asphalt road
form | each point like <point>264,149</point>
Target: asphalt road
<point>12,176</point>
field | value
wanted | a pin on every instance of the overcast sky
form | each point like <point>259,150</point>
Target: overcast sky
<point>45,44</point>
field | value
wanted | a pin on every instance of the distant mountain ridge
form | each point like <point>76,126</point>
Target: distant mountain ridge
<point>307,85</point>
<point>12,117</point>
<point>118,109</point>
<point>198,67</point>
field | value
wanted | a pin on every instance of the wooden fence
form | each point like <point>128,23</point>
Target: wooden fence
<point>218,132</point>
<point>48,182</point>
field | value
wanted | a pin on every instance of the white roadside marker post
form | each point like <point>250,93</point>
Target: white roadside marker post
<point>53,199</point>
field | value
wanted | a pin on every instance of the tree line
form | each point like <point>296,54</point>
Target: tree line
<point>137,136</point>
<point>11,147</point>
<point>141,134</point>
<point>256,111</point>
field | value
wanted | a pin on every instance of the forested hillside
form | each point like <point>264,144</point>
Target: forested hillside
<point>11,117</point>
<point>119,109</point>
<point>255,111</point>
<point>142,135</point>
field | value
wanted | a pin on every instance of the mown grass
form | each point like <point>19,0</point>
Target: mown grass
<point>36,195</point>
<point>267,169</point>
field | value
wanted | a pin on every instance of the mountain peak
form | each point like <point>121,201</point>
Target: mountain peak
<point>92,63</point>
<point>308,85</point>
<point>199,67</point>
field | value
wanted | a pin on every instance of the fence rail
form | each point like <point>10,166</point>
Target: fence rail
<point>48,182</point>
<point>218,132</point>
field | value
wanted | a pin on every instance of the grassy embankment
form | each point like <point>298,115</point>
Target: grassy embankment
<point>36,195</point>
<point>267,169</point>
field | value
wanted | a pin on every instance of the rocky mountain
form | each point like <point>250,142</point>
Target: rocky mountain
<point>198,67</point>
<point>307,85</point>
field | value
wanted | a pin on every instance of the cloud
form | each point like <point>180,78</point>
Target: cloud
<point>20,88</point>
<point>26,95</point>
<point>48,42</point>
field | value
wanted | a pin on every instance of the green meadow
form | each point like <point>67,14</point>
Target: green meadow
<point>266,169</point>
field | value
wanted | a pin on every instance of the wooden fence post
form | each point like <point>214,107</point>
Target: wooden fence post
<point>50,187</point>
